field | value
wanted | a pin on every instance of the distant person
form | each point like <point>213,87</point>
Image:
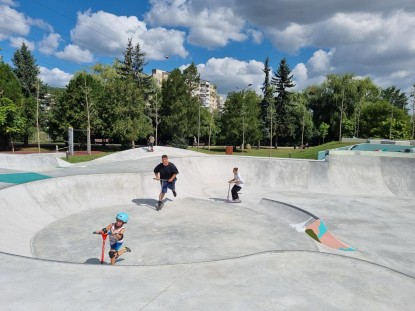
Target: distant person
<point>150,142</point>
<point>166,172</point>
<point>239,182</point>
<point>116,236</point>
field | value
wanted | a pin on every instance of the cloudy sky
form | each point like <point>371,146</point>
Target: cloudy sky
<point>228,40</point>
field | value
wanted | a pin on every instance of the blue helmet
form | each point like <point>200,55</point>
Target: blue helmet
<point>122,216</point>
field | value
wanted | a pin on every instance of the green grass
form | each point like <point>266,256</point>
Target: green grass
<point>282,152</point>
<point>85,158</point>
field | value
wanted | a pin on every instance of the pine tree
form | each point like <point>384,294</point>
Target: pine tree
<point>267,113</point>
<point>133,65</point>
<point>282,81</point>
<point>27,73</point>
<point>26,70</point>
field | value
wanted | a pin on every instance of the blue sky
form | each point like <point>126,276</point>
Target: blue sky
<point>228,40</point>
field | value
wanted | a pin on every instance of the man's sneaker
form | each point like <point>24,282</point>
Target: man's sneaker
<point>159,205</point>
<point>127,249</point>
<point>174,193</point>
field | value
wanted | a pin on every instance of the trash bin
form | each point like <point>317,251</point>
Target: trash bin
<point>229,150</point>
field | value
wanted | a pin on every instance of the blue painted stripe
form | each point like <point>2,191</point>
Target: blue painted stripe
<point>347,249</point>
<point>21,178</point>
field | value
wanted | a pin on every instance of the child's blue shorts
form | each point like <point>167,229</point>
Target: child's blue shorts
<point>116,246</point>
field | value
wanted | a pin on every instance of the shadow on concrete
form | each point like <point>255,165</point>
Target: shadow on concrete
<point>94,261</point>
<point>150,203</point>
<point>218,199</point>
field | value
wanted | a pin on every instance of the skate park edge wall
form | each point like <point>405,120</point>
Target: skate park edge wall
<point>37,204</point>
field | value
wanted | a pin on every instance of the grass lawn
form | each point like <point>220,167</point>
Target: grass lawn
<point>282,152</point>
<point>84,158</point>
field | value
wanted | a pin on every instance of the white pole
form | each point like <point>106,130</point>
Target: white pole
<point>37,117</point>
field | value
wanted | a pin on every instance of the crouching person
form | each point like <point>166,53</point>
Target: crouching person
<point>116,232</point>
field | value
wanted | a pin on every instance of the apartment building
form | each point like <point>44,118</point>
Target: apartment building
<point>206,90</point>
<point>159,75</point>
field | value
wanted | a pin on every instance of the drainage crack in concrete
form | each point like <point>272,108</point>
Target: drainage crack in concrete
<point>167,287</point>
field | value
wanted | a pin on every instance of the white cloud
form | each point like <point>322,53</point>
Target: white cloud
<point>300,72</point>
<point>8,2</point>
<point>49,44</point>
<point>257,36</point>
<point>75,54</point>
<point>160,42</point>
<point>302,78</point>
<point>320,62</point>
<point>291,38</point>
<point>17,42</point>
<point>376,44</point>
<point>210,25</point>
<point>228,74</point>
<point>54,77</point>
<point>12,23</point>
<point>107,34</point>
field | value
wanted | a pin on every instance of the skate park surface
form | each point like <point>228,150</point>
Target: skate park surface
<point>199,252</point>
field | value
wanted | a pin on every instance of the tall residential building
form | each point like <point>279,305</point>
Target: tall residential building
<point>208,95</point>
<point>206,90</point>
<point>159,75</point>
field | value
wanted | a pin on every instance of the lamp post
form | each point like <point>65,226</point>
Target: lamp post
<point>198,127</point>
<point>390,128</point>
<point>413,109</point>
<point>157,121</point>
<point>243,115</point>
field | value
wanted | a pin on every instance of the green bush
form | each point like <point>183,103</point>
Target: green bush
<point>178,142</point>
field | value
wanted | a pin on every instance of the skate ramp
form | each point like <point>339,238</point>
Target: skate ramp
<point>38,162</point>
<point>142,152</point>
<point>201,253</point>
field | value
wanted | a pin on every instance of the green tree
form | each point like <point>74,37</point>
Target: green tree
<point>133,65</point>
<point>343,90</point>
<point>267,115</point>
<point>383,120</point>
<point>251,113</point>
<point>10,86</point>
<point>395,97</point>
<point>180,107</point>
<point>231,120</point>
<point>241,118</point>
<point>82,95</point>
<point>11,122</point>
<point>27,72</point>
<point>367,91</point>
<point>282,80</point>
<point>333,101</point>
<point>127,119</point>
<point>323,130</point>
<point>302,123</point>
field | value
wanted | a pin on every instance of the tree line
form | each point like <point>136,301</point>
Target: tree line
<point>122,103</point>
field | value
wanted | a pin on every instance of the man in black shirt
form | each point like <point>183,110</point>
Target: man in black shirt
<point>165,172</point>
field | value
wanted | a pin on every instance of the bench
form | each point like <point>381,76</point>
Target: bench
<point>102,141</point>
<point>200,145</point>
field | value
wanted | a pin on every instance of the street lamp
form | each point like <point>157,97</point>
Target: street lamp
<point>413,110</point>
<point>243,115</point>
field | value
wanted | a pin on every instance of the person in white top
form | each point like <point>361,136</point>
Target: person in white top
<point>116,236</point>
<point>239,183</point>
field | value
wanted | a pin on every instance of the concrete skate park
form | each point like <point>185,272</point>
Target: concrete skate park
<point>336,234</point>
